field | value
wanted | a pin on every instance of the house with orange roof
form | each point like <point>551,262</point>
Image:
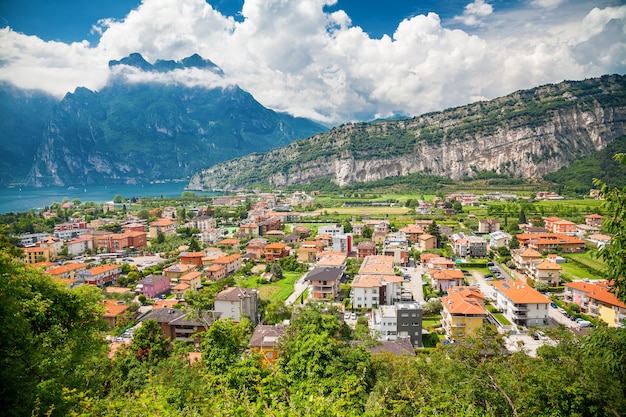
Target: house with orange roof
<point>215,272</point>
<point>166,303</point>
<point>100,275</point>
<point>427,242</point>
<point>565,227</point>
<point>426,257</point>
<point>229,243</point>
<point>308,251</point>
<point>176,271</point>
<point>463,311</point>
<point>444,279</point>
<point>231,263</point>
<point>365,249</point>
<point>69,283</point>
<point>377,264</point>
<point>37,254</point>
<point>80,245</point>
<point>523,259</point>
<point>193,279</point>
<point>256,248</point>
<point>324,238</point>
<point>439,262</point>
<point>594,220</point>
<point>549,222</point>
<point>249,229</point>
<point>67,270</point>
<point>376,283</point>
<point>193,258</point>
<point>546,271</point>
<point>115,311</point>
<point>412,232</point>
<point>596,299</point>
<point>275,251</point>
<point>554,241</point>
<point>136,239</point>
<point>331,259</point>
<point>166,227</point>
<point>521,304</point>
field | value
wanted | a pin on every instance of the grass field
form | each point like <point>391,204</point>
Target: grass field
<point>501,319</point>
<point>356,211</point>
<point>588,259</point>
<point>431,321</point>
<point>279,290</point>
<point>576,272</point>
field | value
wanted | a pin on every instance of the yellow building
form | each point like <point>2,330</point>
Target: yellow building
<point>463,311</point>
<point>264,341</point>
<point>37,254</point>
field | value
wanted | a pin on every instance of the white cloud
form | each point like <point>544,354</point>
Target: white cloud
<point>294,57</point>
<point>547,4</point>
<point>475,12</point>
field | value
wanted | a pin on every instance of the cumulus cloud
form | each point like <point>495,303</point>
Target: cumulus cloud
<point>475,12</point>
<point>294,57</point>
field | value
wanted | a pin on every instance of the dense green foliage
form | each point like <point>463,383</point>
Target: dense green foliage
<point>578,177</point>
<point>614,254</point>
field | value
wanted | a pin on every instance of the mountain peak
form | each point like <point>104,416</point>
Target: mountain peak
<point>136,60</point>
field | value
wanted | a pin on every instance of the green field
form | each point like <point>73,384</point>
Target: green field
<point>431,321</point>
<point>576,272</point>
<point>501,319</point>
<point>279,290</point>
<point>588,258</point>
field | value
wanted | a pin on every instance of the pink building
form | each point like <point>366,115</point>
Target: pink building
<point>154,285</point>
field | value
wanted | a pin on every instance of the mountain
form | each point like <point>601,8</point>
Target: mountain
<point>526,134</point>
<point>140,131</point>
<point>23,115</point>
<point>577,178</point>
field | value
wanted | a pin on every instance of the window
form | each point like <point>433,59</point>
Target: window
<point>269,355</point>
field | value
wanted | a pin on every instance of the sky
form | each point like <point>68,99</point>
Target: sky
<point>333,61</point>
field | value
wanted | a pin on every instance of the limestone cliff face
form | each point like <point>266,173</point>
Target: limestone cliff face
<point>527,134</point>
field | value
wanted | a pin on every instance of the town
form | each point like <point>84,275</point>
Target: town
<point>407,277</point>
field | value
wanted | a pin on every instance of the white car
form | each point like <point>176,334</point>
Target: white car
<point>346,316</point>
<point>353,316</point>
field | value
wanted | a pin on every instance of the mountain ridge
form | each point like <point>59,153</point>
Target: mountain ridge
<point>528,133</point>
<point>141,131</point>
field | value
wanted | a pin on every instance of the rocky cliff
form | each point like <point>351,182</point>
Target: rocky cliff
<point>526,134</point>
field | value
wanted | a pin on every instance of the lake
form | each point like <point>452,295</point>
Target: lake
<point>20,199</point>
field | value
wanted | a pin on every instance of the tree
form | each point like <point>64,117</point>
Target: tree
<point>514,243</point>
<point>223,343</point>
<point>522,217</point>
<point>149,343</point>
<point>433,229</point>
<point>50,339</point>
<point>276,271</point>
<point>276,312</point>
<point>615,224</point>
<point>117,199</point>
<point>367,232</point>
<point>160,238</point>
<point>194,245</point>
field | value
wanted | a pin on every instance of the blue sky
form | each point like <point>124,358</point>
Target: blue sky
<point>331,60</point>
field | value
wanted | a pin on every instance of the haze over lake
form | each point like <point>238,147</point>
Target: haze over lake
<point>20,199</point>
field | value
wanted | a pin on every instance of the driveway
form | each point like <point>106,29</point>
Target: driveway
<point>299,287</point>
<point>415,283</point>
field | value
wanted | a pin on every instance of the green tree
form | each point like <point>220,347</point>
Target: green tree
<point>367,232</point>
<point>223,344</point>
<point>117,199</point>
<point>49,340</point>
<point>522,217</point>
<point>194,245</point>
<point>277,271</point>
<point>160,238</point>
<point>149,342</point>
<point>514,243</point>
<point>615,224</point>
<point>276,312</point>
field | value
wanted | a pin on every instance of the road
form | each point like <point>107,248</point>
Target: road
<point>299,287</point>
<point>415,283</point>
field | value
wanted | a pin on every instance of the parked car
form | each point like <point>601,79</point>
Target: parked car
<point>535,336</point>
<point>346,316</point>
<point>353,316</point>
